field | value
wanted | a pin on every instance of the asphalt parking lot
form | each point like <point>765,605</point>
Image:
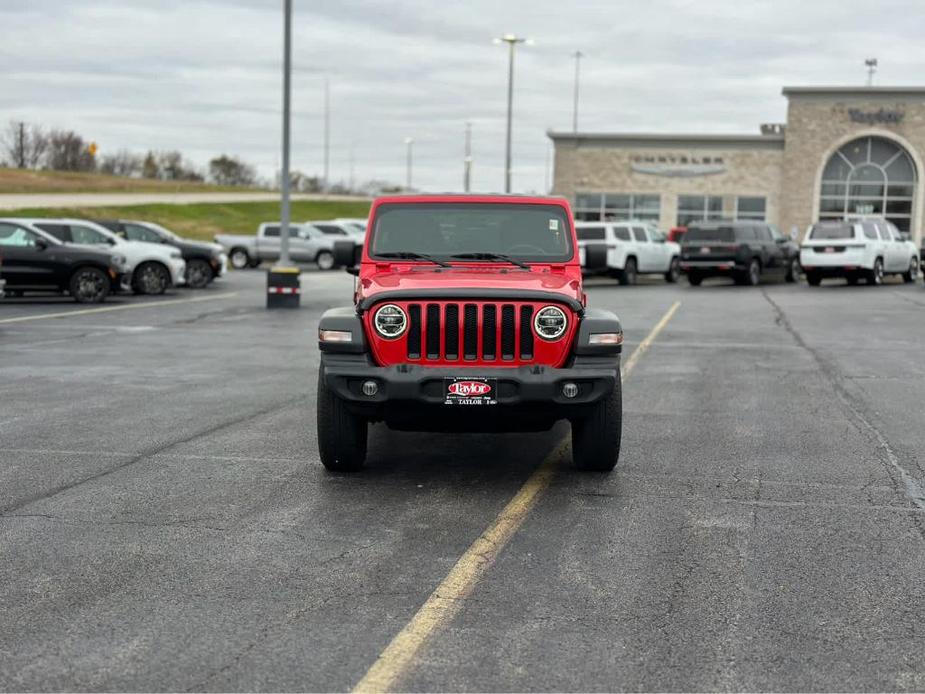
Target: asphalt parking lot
<point>165,523</point>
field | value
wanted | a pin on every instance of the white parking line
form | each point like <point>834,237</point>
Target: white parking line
<point>125,307</point>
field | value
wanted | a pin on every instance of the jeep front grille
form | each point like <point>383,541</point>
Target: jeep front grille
<point>477,326</point>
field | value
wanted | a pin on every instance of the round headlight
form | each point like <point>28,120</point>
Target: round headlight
<point>390,321</point>
<point>550,322</point>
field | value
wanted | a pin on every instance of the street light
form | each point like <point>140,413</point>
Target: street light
<point>871,64</point>
<point>511,42</point>
<point>287,89</point>
<point>467,159</point>
<point>409,141</point>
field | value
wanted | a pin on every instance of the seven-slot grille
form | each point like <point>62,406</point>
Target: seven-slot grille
<point>451,331</point>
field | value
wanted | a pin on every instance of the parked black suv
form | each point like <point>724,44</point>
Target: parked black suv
<point>36,262</point>
<point>204,261</point>
<point>745,251</point>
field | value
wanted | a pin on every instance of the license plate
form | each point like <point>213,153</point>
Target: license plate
<point>829,250</point>
<point>705,249</point>
<point>470,391</point>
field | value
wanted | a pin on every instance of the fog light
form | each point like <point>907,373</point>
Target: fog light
<point>370,388</point>
<point>570,390</point>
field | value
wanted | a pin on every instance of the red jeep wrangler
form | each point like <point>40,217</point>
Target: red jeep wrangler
<point>469,315</point>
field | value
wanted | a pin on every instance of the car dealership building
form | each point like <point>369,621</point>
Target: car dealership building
<point>843,150</point>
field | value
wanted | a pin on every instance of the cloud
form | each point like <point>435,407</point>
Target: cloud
<point>203,76</point>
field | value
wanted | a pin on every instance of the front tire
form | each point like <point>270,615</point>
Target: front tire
<point>342,434</point>
<point>628,273</point>
<point>912,274</point>
<point>793,272</point>
<point>324,260</point>
<point>198,274</point>
<point>239,258</point>
<point>89,285</point>
<point>694,279</point>
<point>875,276</point>
<point>752,275</point>
<point>674,271</point>
<point>596,437</point>
<point>150,278</point>
<point>814,279</point>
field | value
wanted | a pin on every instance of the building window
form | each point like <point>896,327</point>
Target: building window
<point>617,207</point>
<point>750,208</point>
<point>869,176</point>
<point>697,208</point>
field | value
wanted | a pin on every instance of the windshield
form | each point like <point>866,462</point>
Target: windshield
<point>826,232</point>
<point>531,233</point>
<point>721,234</point>
<point>163,230</point>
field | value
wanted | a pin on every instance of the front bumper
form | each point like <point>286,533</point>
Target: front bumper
<point>219,264</point>
<point>412,397</point>
<point>177,267</point>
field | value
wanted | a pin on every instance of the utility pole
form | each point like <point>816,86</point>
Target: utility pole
<point>578,55</point>
<point>21,150</point>
<point>871,64</point>
<point>467,159</point>
<point>287,77</point>
<point>409,141</point>
<point>351,167</point>
<point>327,133</point>
<point>511,42</point>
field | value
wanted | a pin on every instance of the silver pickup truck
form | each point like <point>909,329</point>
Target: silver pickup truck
<point>307,244</point>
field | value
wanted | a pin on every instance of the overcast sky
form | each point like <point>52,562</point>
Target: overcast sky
<point>203,76</point>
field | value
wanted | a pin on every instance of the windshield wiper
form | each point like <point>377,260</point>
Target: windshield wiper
<point>491,256</point>
<point>411,255</point>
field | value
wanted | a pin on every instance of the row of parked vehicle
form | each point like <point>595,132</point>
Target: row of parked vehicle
<point>90,259</point>
<point>309,242</point>
<point>749,251</point>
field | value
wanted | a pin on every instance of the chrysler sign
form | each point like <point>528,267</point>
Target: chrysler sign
<point>882,116</point>
<point>678,165</point>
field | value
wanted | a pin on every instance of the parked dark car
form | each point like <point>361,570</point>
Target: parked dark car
<point>204,261</point>
<point>36,262</point>
<point>745,251</point>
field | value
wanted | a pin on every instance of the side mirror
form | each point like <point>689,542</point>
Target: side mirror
<point>353,270</point>
<point>41,244</point>
<point>346,253</point>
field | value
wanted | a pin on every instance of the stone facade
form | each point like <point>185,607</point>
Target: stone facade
<point>784,165</point>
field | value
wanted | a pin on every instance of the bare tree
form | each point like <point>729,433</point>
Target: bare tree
<point>231,171</point>
<point>67,151</point>
<point>25,145</point>
<point>122,163</point>
<point>150,167</point>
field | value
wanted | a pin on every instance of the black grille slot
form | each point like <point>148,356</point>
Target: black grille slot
<point>433,331</point>
<point>489,332</point>
<point>526,332</point>
<point>470,332</point>
<point>414,331</point>
<point>507,332</point>
<point>451,332</point>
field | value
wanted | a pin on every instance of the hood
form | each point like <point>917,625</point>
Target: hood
<point>197,247</point>
<point>508,278</point>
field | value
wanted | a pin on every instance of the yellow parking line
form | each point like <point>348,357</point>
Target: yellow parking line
<point>125,307</point>
<point>447,600</point>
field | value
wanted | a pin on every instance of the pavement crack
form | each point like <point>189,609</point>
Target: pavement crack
<point>912,487</point>
<point>144,455</point>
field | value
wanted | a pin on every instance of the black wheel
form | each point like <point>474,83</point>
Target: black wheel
<point>628,274</point>
<point>89,285</point>
<point>694,278</point>
<point>912,274</point>
<point>596,437</point>
<point>674,271</point>
<point>150,278</point>
<point>198,274</point>
<point>875,276</point>
<point>324,260</point>
<point>851,278</point>
<point>239,258</point>
<point>341,433</point>
<point>752,274</point>
<point>793,271</point>
<point>813,278</point>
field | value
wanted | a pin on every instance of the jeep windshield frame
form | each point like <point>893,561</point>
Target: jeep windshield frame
<point>526,232</point>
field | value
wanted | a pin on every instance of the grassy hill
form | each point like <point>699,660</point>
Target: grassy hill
<point>204,220</point>
<point>28,181</point>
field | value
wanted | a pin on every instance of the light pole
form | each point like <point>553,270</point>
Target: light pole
<point>871,64</point>
<point>409,142</point>
<point>467,159</point>
<point>287,78</point>
<point>511,42</point>
<point>578,55</point>
<point>327,134</point>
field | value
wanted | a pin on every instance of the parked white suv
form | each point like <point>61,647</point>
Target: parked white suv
<point>627,249</point>
<point>154,267</point>
<point>869,249</point>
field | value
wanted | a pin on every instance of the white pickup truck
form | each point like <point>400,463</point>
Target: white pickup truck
<point>307,244</point>
<point>627,249</point>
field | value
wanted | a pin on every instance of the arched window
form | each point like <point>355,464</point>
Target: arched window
<point>869,176</point>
